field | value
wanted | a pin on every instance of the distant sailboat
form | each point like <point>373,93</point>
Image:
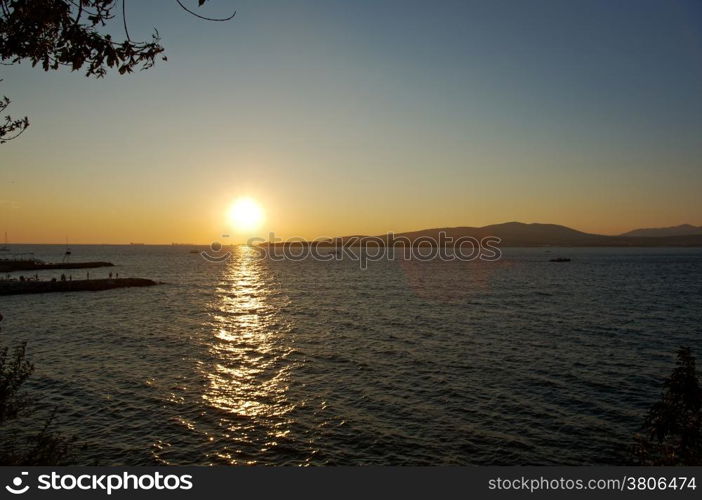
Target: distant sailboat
<point>67,253</point>
<point>5,248</point>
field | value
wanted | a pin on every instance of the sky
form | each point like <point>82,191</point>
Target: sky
<point>364,117</point>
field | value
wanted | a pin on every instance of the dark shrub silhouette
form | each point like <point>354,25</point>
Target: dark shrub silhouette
<point>21,442</point>
<point>672,431</point>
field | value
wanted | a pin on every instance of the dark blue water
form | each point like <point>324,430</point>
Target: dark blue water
<point>521,361</point>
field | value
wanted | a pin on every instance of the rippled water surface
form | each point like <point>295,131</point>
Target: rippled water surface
<point>522,361</point>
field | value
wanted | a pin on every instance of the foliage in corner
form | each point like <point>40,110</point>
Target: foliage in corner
<point>71,33</point>
<point>65,33</point>
<point>21,443</point>
<point>55,33</point>
<point>672,431</point>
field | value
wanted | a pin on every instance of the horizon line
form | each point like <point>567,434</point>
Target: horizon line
<point>132,243</point>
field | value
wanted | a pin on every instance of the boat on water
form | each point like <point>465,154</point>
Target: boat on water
<point>560,259</point>
<point>5,248</point>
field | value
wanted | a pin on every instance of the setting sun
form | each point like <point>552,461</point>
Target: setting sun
<point>245,214</point>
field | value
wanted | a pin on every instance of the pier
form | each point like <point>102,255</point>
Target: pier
<point>16,287</point>
<point>11,265</point>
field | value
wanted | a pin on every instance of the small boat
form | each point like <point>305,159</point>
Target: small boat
<point>194,251</point>
<point>560,259</point>
<point>5,248</point>
<point>67,253</point>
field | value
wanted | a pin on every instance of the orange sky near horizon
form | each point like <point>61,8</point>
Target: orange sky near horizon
<point>203,219</point>
<point>27,221</point>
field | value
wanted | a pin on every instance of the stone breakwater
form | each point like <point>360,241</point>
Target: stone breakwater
<point>7,266</point>
<point>12,287</point>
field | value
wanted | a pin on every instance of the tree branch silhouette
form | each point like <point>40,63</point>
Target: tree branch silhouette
<point>200,3</point>
<point>68,33</point>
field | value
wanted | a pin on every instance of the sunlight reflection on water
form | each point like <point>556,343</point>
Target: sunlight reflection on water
<point>249,379</point>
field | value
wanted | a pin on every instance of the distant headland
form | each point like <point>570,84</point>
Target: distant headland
<point>519,234</point>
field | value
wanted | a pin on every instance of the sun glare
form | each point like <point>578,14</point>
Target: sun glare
<point>246,214</point>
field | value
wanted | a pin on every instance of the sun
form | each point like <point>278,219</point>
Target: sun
<point>245,214</point>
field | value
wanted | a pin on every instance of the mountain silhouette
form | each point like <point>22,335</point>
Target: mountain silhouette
<point>518,234</point>
<point>681,230</point>
<point>521,234</point>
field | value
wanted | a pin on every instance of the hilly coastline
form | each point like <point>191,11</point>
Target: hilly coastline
<point>681,230</point>
<point>519,234</point>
